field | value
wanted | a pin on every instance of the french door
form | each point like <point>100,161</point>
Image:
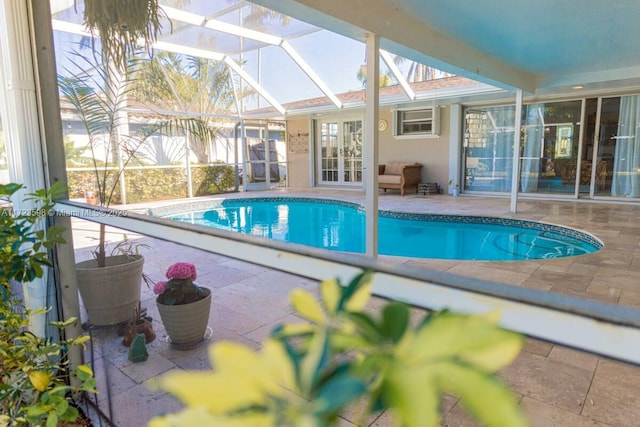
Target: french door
<point>340,152</point>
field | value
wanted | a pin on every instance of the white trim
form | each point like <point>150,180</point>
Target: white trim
<point>435,123</point>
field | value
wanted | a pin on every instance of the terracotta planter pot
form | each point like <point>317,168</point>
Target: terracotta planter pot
<point>186,324</point>
<point>135,327</point>
<point>111,294</point>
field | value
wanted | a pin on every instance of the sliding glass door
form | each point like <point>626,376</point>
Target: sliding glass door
<point>618,148</point>
<point>550,149</point>
<point>488,148</point>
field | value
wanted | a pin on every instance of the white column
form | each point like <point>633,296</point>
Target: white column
<point>187,155</point>
<point>515,177</point>
<point>455,144</point>
<point>370,165</point>
<point>20,122</point>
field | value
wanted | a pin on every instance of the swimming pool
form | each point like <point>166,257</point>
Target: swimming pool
<point>340,226</point>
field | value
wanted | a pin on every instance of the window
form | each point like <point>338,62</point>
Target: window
<point>416,123</point>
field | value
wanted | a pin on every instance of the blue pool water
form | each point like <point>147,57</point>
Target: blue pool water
<point>340,226</point>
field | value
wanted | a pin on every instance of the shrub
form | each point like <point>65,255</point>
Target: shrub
<point>34,371</point>
<point>309,374</point>
<point>148,184</point>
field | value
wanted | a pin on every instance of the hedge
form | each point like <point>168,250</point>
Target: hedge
<point>148,184</point>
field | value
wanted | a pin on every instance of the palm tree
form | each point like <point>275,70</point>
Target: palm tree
<point>99,96</point>
<point>419,72</point>
<point>259,15</point>
<point>199,87</point>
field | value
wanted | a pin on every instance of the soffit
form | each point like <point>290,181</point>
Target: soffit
<point>539,46</point>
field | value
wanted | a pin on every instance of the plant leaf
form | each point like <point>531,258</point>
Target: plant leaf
<point>40,380</point>
<point>307,307</point>
<point>487,399</point>
<point>395,319</point>
<point>412,395</point>
<point>471,338</point>
<point>313,362</point>
<point>330,292</point>
<point>337,392</point>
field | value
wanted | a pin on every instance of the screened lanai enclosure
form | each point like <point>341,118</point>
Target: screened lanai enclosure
<point>221,62</point>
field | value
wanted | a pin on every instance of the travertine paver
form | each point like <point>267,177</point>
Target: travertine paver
<point>557,386</point>
<point>615,389</point>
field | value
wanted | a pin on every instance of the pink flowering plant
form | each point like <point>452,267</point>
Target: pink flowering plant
<point>179,289</point>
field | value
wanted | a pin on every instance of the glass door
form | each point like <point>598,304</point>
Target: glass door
<point>340,152</point>
<point>351,151</point>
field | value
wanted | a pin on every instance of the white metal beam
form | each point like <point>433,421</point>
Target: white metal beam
<point>186,50</point>
<point>311,73</point>
<point>191,51</point>
<point>386,57</point>
<point>371,145</point>
<point>253,83</point>
<point>515,171</point>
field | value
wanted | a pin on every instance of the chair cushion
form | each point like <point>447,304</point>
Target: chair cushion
<point>389,179</point>
<point>393,168</point>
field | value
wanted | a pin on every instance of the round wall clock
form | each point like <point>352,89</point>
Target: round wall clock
<point>382,125</point>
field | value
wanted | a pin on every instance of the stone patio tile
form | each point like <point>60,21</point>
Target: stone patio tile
<point>220,276</point>
<point>138,405</point>
<point>235,320</point>
<point>543,415</point>
<point>614,397</point>
<point>526,267</point>
<point>538,347</point>
<point>574,357</point>
<point>243,265</point>
<point>611,258</point>
<point>550,381</point>
<point>630,298</point>
<point>535,284</point>
<point>478,271</point>
<point>561,281</point>
<point>433,264</point>
<point>616,278</point>
<point>260,334</point>
<point>581,268</point>
<point>458,417</point>
<point>155,365</point>
<point>112,380</point>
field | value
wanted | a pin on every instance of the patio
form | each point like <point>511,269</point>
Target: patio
<point>557,386</point>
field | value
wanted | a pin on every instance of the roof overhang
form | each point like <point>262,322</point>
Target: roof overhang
<point>517,44</point>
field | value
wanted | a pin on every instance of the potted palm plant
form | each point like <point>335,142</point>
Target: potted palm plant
<point>110,283</point>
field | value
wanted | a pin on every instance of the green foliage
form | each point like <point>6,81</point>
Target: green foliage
<point>213,179</point>
<point>24,241</point>
<point>33,390</point>
<point>143,185</point>
<point>309,374</point>
<point>121,25</point>
<point>99,96</point>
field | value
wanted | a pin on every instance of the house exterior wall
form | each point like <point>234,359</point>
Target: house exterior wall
<point>432,152</point>
<point>298,153</point>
